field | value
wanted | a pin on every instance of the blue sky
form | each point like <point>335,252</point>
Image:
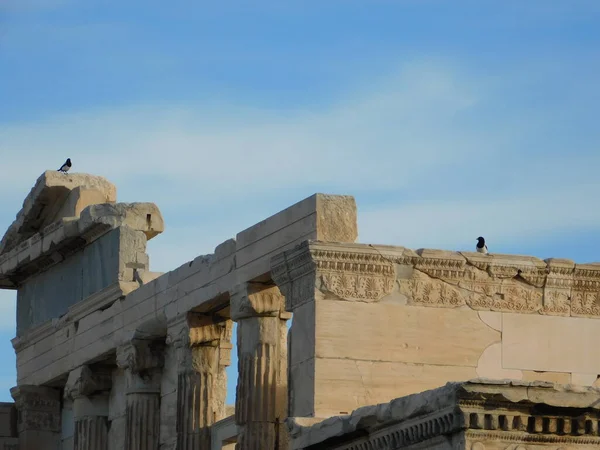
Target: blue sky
<point>446,120</point>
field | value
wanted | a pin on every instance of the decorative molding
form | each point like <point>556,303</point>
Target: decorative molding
<point>357,273</point>
<point>509,283</point>
<point>503,413</point>
<point>427,292</point>
<point>410,432</point>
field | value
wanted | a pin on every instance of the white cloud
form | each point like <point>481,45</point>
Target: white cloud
<point>383,137</point>
<point>425,149</point>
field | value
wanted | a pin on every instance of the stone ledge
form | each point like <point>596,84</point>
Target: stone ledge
<point>60,239</point>
<point>503,406</point>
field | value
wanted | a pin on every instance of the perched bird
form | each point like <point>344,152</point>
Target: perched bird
<point>66,166</point>
<point>481,247</point>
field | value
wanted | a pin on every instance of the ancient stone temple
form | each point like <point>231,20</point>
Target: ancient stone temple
<point>389,348</point>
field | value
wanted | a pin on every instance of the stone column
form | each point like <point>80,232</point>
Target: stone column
<point>38,421</point>
<point>204,348</point>
<point>142,361</point>
<point>261,400</point>
<point>89,393</point>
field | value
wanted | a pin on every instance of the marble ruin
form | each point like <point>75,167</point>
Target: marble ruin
<point>389,348</point>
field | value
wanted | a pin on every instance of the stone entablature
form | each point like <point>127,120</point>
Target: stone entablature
<point>438,278</point>
<point>475,415</point>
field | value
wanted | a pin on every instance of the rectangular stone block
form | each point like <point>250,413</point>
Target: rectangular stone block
<point>302,335</point>
<point>320,217</point>
<point>391,332</point>
<point>99,265</point>
<point>344,385</point>
<point>550,343</point>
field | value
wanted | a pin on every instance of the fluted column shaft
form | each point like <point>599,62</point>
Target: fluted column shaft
<point>91,433</point>
<point>89,390</point>
<point>261,398</point>
<point>142,361</point>
<point>143,421</point>
<point>204,345</point>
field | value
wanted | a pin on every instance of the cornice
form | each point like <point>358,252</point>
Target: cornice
<point>496,282</point>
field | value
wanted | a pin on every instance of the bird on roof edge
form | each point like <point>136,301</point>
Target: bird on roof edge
<point>481,246</point>
<point>66,166</point>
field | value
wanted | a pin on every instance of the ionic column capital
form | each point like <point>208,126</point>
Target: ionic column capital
<point>82,382</point>
<point>207,330</point>
<point>39,408</point>
<point>139,355</point>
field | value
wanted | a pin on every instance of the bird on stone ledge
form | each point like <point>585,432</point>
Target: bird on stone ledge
<point>481,246</point>
<point>66,166</point>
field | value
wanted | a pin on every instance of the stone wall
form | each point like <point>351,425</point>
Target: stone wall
<point>104,262</point>
<point>374,322</point>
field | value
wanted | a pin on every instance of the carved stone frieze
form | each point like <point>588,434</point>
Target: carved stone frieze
<point>585,303</point>
<point>438,279</point>
<point>366,275</point>
<point>504,296</point>
<point>426,292</point>
<point>557,302</point>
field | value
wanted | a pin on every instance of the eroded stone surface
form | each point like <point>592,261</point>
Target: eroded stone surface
<point>479,410</point>
<point>371,323</point>
<point>56,195</point>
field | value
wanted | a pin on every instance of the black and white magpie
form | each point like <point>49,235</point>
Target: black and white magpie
<point>66,166</point>
<point>481,246</point>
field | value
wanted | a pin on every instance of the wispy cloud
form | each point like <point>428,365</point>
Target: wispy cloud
<point>430,147</point>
